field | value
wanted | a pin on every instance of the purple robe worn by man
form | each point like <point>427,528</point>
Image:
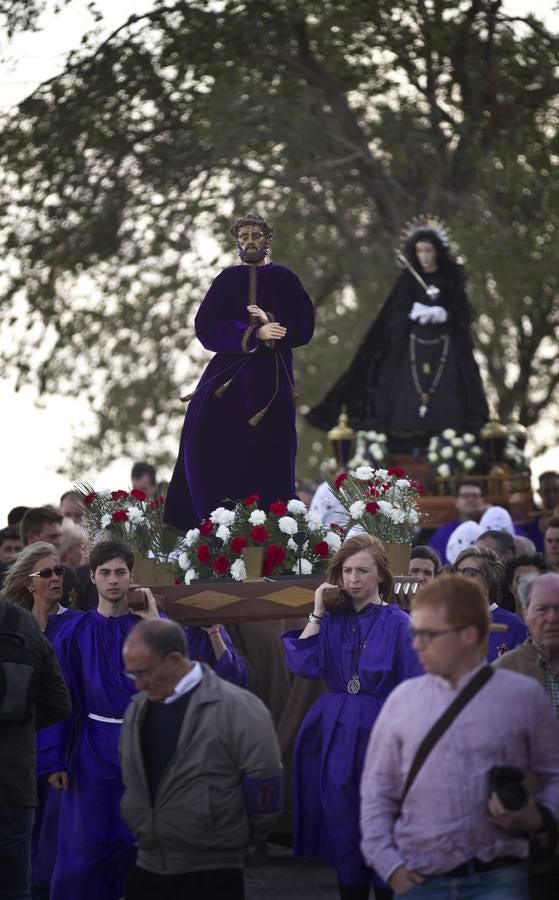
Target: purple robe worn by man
<point>239,432</point>
<point>95,847</point>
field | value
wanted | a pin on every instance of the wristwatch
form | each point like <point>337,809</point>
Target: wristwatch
<point>314,619</point>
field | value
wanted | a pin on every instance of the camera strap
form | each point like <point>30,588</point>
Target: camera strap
<point>436,732</point>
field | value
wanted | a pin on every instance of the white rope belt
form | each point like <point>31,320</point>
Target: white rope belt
<point>110,721</point>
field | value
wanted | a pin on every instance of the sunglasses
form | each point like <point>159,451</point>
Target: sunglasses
<point>48,573</point>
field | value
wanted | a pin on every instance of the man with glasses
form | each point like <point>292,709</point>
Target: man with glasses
<point>201,768</point>
<point>452,835</point>
<point>470,505</point>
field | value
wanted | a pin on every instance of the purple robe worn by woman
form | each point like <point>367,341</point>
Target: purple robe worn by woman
<point>332,741</point>
<point>95,847</point>
<point>221,455</point>
<point>45,826</point>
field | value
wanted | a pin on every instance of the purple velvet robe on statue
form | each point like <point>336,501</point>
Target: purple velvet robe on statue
<point>221,456</point>
<point>95,847</point>
<point>332,741</point>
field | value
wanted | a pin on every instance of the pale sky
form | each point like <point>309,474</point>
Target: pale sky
<point>35,442</point>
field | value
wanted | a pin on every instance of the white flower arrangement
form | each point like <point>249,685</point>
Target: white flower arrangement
<point>453,454</point>
<point>385,505</point>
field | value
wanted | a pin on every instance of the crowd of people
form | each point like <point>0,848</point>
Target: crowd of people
<point>154,767</point>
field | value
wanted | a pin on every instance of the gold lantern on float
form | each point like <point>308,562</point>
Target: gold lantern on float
<point>517,431</point>
<point>342,438</point>
<point>494,438</point>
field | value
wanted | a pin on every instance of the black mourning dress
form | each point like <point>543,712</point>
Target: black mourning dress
<point>400,361</point>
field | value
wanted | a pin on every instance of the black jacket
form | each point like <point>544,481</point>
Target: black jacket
<point>18,740</point>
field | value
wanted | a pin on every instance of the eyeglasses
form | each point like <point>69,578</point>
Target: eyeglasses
<point>48,573</point>
<point>469,571</point>
<point>144,674</point>
<point>426,635</point>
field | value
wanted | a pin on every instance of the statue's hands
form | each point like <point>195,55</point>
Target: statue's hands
<point>259,313</point>
<point>424,314</point>
<point>439,315</point>
<point>272,331</point>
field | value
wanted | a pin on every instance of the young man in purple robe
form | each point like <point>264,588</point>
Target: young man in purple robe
<point>239,431</point>
<point>95,847</point>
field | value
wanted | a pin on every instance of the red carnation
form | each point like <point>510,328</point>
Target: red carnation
<point>206,528</point>
<point>221,565</point>
<point>321,549</point>
<point>252,498</point>
<point>203,553</point>
<point>153,504</point>
<point>119,495</point>
<point>120,515</point>
<point>179,581</point>
<point>397,471</point>
<point>275,554</point>
<point>372,507</point>
<point>259,534</point>
<point>384,488</point>
<point>334,526</point>
<point>267,567</point>
<point>279,508</point>
<point>138,494</point>
<point>237,543</point>
<point>89,498</point>
<point>340,480</point>
<point>417,486</point>
<point>373,491</point>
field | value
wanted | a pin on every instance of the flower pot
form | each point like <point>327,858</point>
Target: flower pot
<point>253,558</point>
<point>152,572</point>
<point>398,557</point>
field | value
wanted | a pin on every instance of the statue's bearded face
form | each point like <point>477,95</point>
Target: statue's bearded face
<point>252,243</point>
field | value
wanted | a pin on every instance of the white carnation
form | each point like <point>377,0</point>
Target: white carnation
<point>135,515</point>
<point>444,470</point>
<point>192,536</point>
<point>104,494</point>
<point>183,561</point>
<point>296,507</point>
<point>381,473</point>
<point>457,442</point>
<point>238,570</point>
<point>333,540</point>
<point>306,567</point>
<point>106,520</point>
<point>224,533</point>
<point>189,575</point>
<point>357,509</point>
<point>468,464</point>
<point>461,455</point>
<point>403,484</point>
<point>447,453</point>
<point>385,508</point>
<point>398,516</point>
<point>376,451</point>
<point>363,473</point>
<point>288,525</point>
<point>222,516</point>
<point>449,433</point>
<point>433,457</point>
<point>257,517</point>
<point>313,520</point>
<point>469,438</point>
<point>413,517</point>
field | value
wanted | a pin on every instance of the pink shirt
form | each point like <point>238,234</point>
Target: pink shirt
<point>444,820</point>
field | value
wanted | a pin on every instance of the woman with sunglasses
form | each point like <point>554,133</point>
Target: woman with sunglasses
<point>360,645</point>
<point>34,582</point>
<point>485,566</point>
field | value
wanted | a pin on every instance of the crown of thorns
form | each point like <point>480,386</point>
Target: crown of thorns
<point>251,219</point>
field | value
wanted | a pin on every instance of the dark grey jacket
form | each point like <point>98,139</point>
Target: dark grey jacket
<point>18,740</point>
<point>223,779</point>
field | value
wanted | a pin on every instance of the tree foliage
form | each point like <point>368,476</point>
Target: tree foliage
<point>339,121</point>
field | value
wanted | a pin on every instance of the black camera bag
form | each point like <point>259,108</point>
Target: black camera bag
<point>18,671</point>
